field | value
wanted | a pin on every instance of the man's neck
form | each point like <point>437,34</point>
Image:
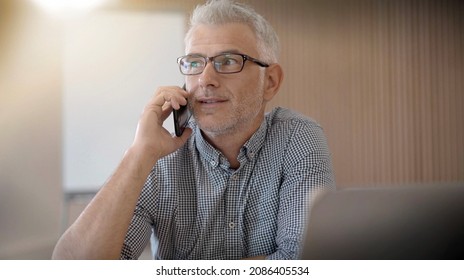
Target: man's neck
<point>230,143</point>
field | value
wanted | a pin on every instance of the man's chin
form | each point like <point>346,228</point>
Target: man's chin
<point>213,128</point>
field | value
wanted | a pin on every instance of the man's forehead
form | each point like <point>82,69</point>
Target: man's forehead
<point>227,36</point>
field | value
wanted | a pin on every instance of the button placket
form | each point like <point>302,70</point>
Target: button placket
<point>251,154</point>
<point>233,189</point>
<point>233,243</point>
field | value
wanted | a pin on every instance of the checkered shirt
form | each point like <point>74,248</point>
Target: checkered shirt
<point>194,206</point>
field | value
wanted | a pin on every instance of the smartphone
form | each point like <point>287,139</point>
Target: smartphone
<point>181,118</point>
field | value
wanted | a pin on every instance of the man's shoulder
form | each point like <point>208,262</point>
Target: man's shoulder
<point>280,116</point>
<point>295,130</point>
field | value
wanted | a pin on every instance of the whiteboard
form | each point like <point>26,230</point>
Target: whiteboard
<point>112,63</point>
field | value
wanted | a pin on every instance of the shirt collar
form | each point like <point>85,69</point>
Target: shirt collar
<point>207,152</point>
<point>248,152</point>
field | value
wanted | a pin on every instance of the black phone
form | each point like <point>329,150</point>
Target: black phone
<point>181,118</point>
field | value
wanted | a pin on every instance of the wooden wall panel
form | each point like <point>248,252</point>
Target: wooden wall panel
<point>384,77</point>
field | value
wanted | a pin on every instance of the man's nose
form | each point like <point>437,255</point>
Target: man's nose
<point>209,76</point>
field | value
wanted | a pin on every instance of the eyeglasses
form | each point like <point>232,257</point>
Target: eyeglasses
<point>226,63</point>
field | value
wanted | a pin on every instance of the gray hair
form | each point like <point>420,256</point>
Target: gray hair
<point>217,12</point>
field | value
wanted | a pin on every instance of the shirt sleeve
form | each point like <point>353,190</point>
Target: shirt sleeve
<point>308,172</point>
<point>140,228</point>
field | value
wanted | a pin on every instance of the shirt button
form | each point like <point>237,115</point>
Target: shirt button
<point>231,225</point>
<point>251,154</point>
<point>234,177</point>
<point>213,163</point>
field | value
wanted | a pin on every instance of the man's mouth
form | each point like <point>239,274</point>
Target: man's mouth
<point>210,104</point>
<point>211,101</point>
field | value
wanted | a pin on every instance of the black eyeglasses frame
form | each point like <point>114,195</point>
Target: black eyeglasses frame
<point>211,59</point>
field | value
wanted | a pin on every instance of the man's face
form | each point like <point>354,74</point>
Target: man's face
<point>226,103</point>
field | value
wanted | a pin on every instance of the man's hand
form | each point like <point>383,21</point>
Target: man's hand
<point>151,137</point>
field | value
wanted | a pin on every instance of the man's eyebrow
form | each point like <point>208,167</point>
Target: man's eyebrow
<point>218,53</point>
<point>199,54</point>
<point>230,51</point>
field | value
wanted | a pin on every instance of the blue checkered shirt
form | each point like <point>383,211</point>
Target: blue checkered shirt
<point>194,206</point>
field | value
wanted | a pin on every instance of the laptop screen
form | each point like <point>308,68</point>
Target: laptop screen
<point>407,222</point>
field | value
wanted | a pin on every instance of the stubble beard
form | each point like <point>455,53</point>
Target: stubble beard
<point>240,116</point>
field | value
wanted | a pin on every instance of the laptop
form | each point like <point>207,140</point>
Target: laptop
<point>387,223</point>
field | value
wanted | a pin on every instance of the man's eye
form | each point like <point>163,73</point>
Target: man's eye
<point>229,61</point>
<point>195,64</point>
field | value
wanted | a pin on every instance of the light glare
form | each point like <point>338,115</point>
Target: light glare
<point>65,7</point>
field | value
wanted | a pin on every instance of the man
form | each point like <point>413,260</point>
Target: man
<point>236,183</point>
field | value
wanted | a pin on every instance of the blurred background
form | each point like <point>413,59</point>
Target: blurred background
<point>385,78</point>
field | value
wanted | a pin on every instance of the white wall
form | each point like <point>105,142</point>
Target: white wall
<point>113,61</point>
<point>30,170</point>
<point>32,84</point>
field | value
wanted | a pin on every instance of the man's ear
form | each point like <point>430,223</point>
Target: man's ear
<point>274,78</point>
